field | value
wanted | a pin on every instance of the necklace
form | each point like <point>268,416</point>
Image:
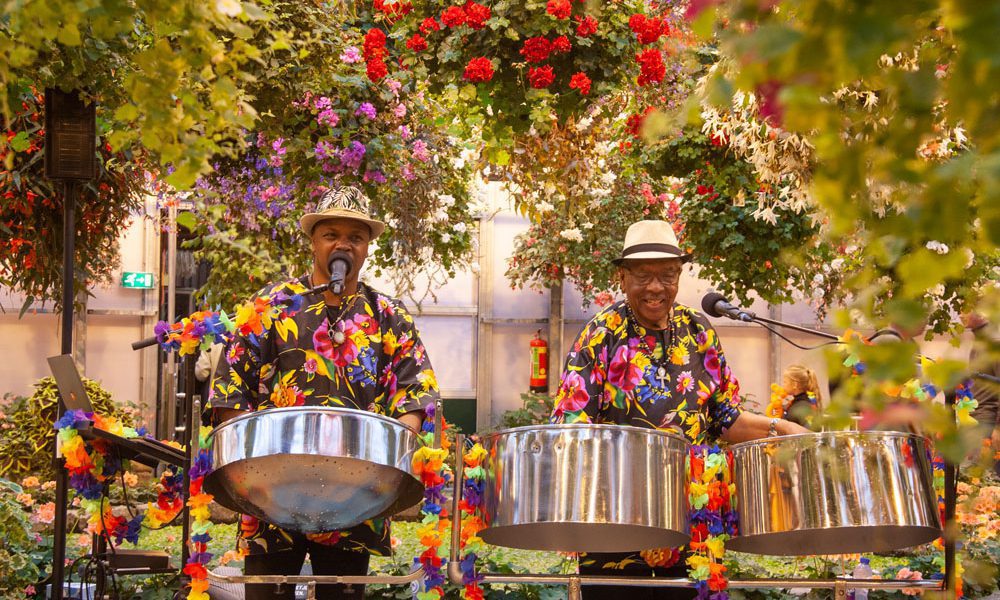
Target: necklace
<point>338,336</point>
<point>661,369</point>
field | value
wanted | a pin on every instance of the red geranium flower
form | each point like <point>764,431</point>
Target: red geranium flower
<point>453,16</point>
<point>559,9</point>
<point>651,67</point>
<point>634,123</point>
<point>428,25</point>
<point>417,43</point>
<point>541,77</point>
<point>581,82</point>
<point>376,69</point>
<point>587,26</point>
<point>561,44</point>
<point>478,70</point>
<point>374,46</point>
<point>393,11</point>
<point>476,15</point>
<point>647,29</point>
<point>536,49</point>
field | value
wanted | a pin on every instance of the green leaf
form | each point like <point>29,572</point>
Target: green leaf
<point>27,304</point>
<point>187,220</point>
<point>20,142</point>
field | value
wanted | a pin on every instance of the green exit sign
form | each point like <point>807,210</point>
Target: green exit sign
<point>137,280</point>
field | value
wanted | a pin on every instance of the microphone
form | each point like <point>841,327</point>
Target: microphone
<point>716,305</point>
<point>339,266</point>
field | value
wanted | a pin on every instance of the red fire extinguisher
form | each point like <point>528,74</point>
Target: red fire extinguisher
<point>539,381</point>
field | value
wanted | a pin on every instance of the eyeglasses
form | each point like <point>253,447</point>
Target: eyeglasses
<point>666,278</point>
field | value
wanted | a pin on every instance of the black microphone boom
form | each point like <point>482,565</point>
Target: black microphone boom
<point>716,305</point>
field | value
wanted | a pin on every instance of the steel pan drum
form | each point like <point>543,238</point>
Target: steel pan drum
<point>313,469</point>
<point>834,493</point>
<point>584,488</point>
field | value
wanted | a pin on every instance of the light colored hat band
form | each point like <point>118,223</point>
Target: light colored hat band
<point>667,248</point>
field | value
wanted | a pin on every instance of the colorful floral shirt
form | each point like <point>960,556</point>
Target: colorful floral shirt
<point>365,354</point>
<point>613,375</point>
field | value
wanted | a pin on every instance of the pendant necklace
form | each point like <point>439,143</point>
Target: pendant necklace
<point>661,369</point>
<point>338,336</point>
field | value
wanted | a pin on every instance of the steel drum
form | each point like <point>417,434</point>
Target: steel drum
<point>834,493</point>
<point>584,488</point>
<point>313,469</point>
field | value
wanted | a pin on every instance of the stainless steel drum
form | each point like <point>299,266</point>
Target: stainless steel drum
<point>313,469</point>
<point>584,488</point>
<point>834,493</point>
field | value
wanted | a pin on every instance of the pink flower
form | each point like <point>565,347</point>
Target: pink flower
<point>573,396</point>
<point>350,55</point>
<point>341,354</point>
<point>685,382</point>
<point>622,372</point>
<point>603,299</point>
<point>420,151</point>
<point>712,363</point>
<point>400,110</point>
<point>310,366</point>
<point>46,513</point>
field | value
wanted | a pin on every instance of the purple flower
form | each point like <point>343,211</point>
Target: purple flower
<point>324,150</point>
<point>350,55</point>
<point>375,176</point>
<point>367,110</point>
<point>393,85</point>
<point>400,110</point>
<point>323,103</point>
<point>352,156</point>
<point>404,132</point>
<point>328,118</point>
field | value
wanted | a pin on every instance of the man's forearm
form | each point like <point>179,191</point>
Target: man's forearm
<point>750,426</point>
<point>413,420</point>
<point>221,415</point>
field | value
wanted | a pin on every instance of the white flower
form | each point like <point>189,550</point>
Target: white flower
<point>584,123</point>
<point>460,227</point>
<point>937,290</point>
<point>445,238</point>
<point>230,8</point>
<point>458,163</point>
<point>936,246</point>
<point>441,215</point>
<point>544,207</point>
<point>572,235</point>
<point>600,163</point>
<point>970,258</point>
<point>588,225</point>
<point>446,200</point>
<point>837,264</point>
<point>609,178</point>
<point>600,192</point>
<point>818,279</point>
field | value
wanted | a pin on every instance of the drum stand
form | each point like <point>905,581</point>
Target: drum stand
<point>574,583</point>
<point>311,581</point>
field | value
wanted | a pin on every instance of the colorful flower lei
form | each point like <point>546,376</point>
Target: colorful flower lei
<point>472,521</point>
<point>198,501</point>
<point>91,464</point>
<point>713,518</point>
<point>431,467</point>
<point>776,406</point>
<point>196,332</point>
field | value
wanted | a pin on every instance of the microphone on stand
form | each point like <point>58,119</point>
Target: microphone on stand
<point>716,305</point>
<point>339,266</point>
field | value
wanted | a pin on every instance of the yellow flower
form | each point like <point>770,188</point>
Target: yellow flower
<point>679,355</point>
<point>428,380</point>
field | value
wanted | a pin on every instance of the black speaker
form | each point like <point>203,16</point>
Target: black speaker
<point>70,136</point>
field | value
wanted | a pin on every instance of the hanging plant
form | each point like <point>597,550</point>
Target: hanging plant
<point>31,210</point>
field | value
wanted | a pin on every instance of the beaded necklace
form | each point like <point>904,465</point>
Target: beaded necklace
<point>661,369</point>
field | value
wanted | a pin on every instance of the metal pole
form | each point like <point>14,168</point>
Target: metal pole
<point>555,335</point>
<point>62,490</point>
<point>169,405</point>
<point>454,568</point>
<point>950,493</point>
<point>821,334</point>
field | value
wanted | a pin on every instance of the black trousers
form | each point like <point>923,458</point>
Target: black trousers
<point>625,592</point>
<point>325,561</point>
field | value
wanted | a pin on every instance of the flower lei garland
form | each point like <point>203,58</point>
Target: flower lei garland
<point>472,521</point>
<point>196,332</point>
<point>90,465</point>
<point>430,466</point>
<point>198,501</point>
<point>713,518</point>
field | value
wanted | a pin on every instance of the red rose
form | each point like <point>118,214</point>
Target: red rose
<point>417,43</point>
<point>581,82</point>
<point>561,44</point>
<point>651,67</point>
<point>478,70</point>
<point>453,16</point>
<point>541,77</point>
<point>476,15</point>
<point>587,26</point>
<point>559,9</point>
<point>428,25</point>
<point>536,49</point>
<point>376,69</point>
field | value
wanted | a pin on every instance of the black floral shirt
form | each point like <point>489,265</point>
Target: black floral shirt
<point>365,354</point>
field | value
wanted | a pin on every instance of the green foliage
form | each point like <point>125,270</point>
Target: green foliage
<point>535,410</point>
<point>17,568</point>
<point>27,439</point>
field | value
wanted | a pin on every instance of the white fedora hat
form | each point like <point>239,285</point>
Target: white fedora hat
<point>650,240</point>
<point>342,202</point>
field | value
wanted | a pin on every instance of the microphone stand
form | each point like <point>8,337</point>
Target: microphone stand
<point>822,334</point>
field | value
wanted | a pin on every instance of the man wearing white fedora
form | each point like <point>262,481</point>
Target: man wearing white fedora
<point>648,361</point>
<point>356,349</point>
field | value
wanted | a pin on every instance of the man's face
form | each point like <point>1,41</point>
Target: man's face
<point>340,234</point>
<point>651,288</point>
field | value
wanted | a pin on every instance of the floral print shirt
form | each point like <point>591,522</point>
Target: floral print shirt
<point>365,354</point>
<point>613,375</point>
